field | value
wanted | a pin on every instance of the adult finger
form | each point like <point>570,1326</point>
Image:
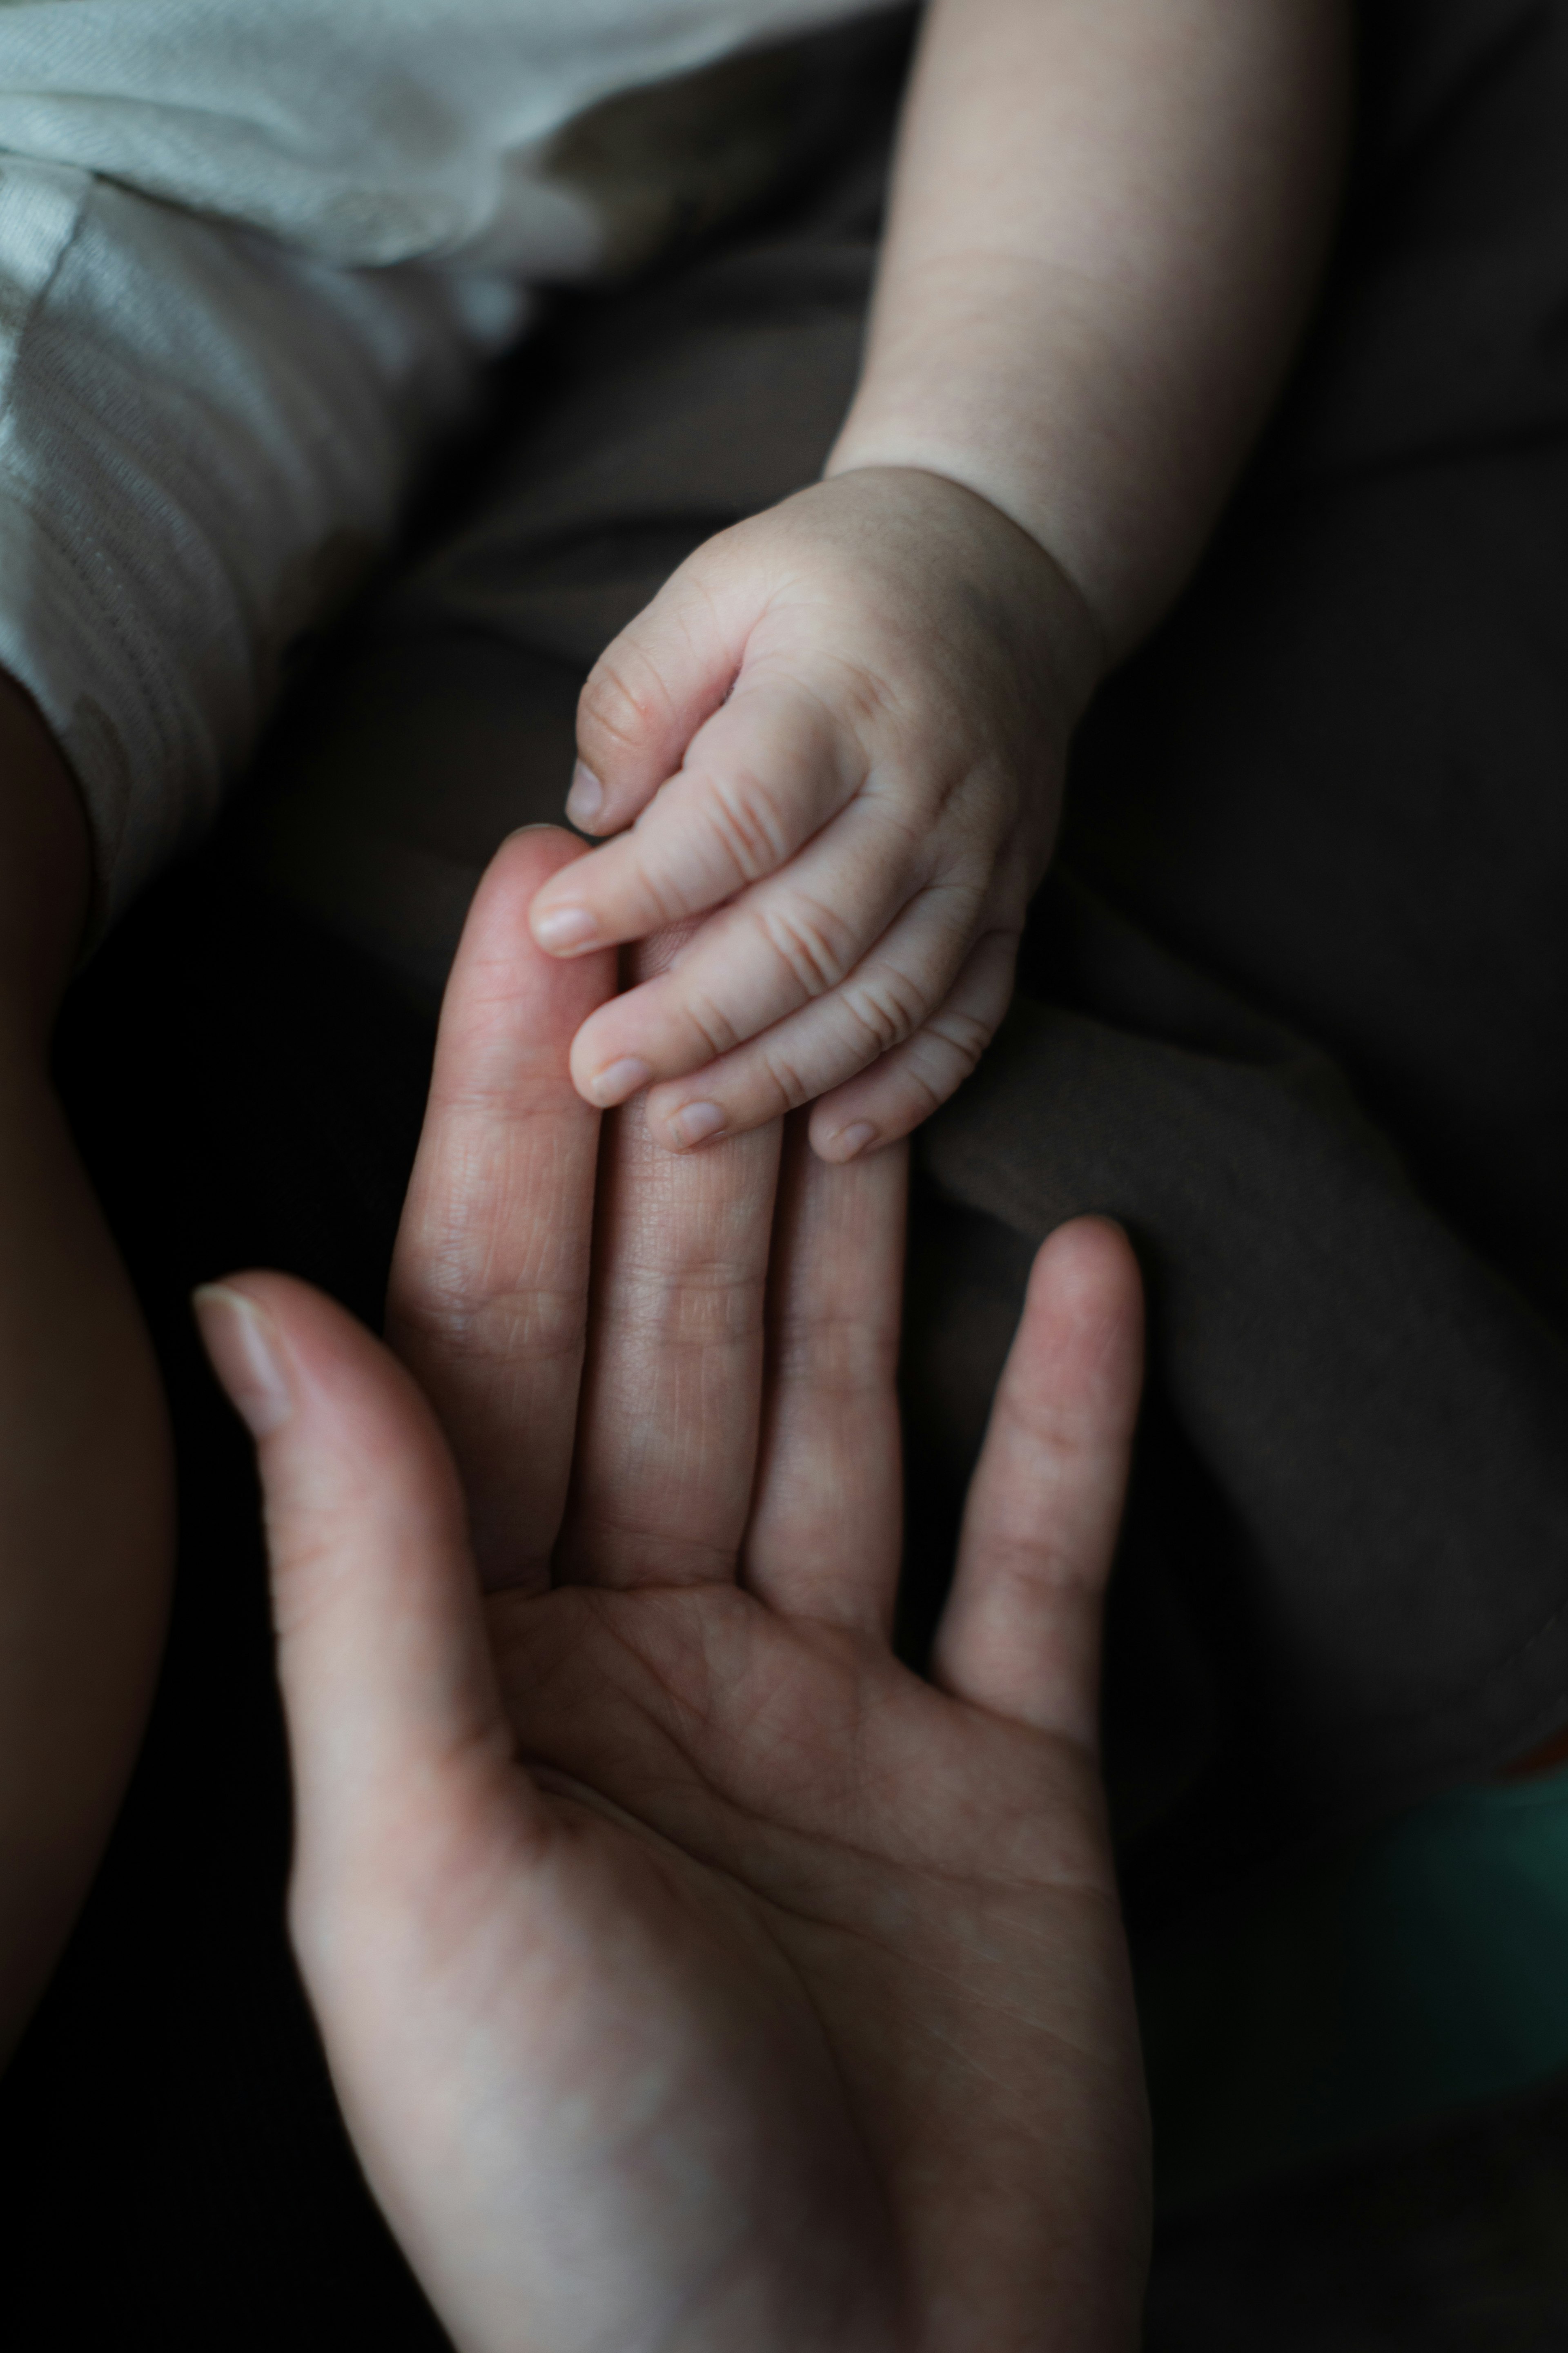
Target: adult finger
<point>826,1519</point>
<point>890,1099</point>
<point>889,994</point>
<point>382,1647</point>
<point>1021,1632</point>
<point>488,1302</point>
<point>757,780</point>
<point>667,1432</point>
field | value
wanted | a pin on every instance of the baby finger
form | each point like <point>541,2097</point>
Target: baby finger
<point>759,779</point>
<point>896,1094</point>
<point>884,999</point>
<point>795,937</point>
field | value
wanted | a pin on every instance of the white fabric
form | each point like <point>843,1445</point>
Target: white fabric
<point>252,253</point>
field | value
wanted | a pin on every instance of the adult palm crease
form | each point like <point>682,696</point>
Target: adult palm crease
<point>693,1974</point>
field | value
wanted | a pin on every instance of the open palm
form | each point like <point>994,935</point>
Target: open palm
<point>692,1974</point>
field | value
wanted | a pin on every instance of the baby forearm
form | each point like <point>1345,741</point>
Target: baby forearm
<point>1107,222</point>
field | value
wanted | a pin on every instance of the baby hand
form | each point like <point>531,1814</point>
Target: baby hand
<point>840,726</point>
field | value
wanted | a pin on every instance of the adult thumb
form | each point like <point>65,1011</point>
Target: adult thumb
<point>386,1673</point>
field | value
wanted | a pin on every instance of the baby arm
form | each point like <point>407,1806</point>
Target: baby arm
<point>839,730</point>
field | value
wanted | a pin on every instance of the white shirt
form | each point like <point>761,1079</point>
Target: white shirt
<point>252,256</point>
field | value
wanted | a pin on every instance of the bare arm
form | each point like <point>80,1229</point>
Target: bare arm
<point>86,1515</point>
<point>1108,219</point>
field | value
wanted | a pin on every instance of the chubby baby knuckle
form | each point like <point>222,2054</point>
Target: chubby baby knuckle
<point>783,1078</point>
<point>814,942</point>
<point>921,1088</point>
<point>863,710</point>
<point>886,1007</point>
<point>970,832</point>
<point>910,856</point>
<point>940,1058</point>
<point>749,824</point>
<point>710,1025</point>
<point>623,707</point>
<point>966,1036</point>
<point>962,890</point>
<point>908,822</point>
<point>641,896</point>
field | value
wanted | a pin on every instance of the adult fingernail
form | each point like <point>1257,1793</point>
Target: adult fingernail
<point>616,1081</point>
<point>850,1141</point>
<point>242,1341</point>
<point>695,1123</point>
<point>559,929</point>
<point>586,797</point>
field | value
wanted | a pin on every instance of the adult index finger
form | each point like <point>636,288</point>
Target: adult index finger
<point>488,1301</point>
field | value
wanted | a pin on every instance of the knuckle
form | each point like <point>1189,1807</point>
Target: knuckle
<point>966,1036</point>
<point>985,805</point>
<point>712,1026</point>
<point>816,944</point>
<point>852,695</point>
<point>924,1092</point>
<point>624,704</point>
<point>749,825</point>
<point>909,845</point>
<point>961,893</point>
<point>789,1084</point>
<point>884,1006</point>
<point>840,1357</point>
<point>464,1331</point>
<point>945,1053</point>
<point>650,897</point>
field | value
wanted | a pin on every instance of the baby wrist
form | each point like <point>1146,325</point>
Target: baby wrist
<point>1084,643</point>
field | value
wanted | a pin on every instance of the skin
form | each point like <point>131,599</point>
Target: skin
<point>692,1974</point>
<point>839,730</point>
<point>84,1561</point>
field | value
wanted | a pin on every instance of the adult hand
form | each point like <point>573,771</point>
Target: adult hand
<point>691,1973</point>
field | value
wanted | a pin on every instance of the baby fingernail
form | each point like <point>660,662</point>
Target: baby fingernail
<point>242,1342</point>
<point>616,1081</point>
<point>586,797</point>
<point>848,1140</point>
<point>695,1123</point>
<point>560,928</point>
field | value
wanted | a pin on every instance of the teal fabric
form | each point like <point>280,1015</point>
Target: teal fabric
<point>1417,1968</point>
